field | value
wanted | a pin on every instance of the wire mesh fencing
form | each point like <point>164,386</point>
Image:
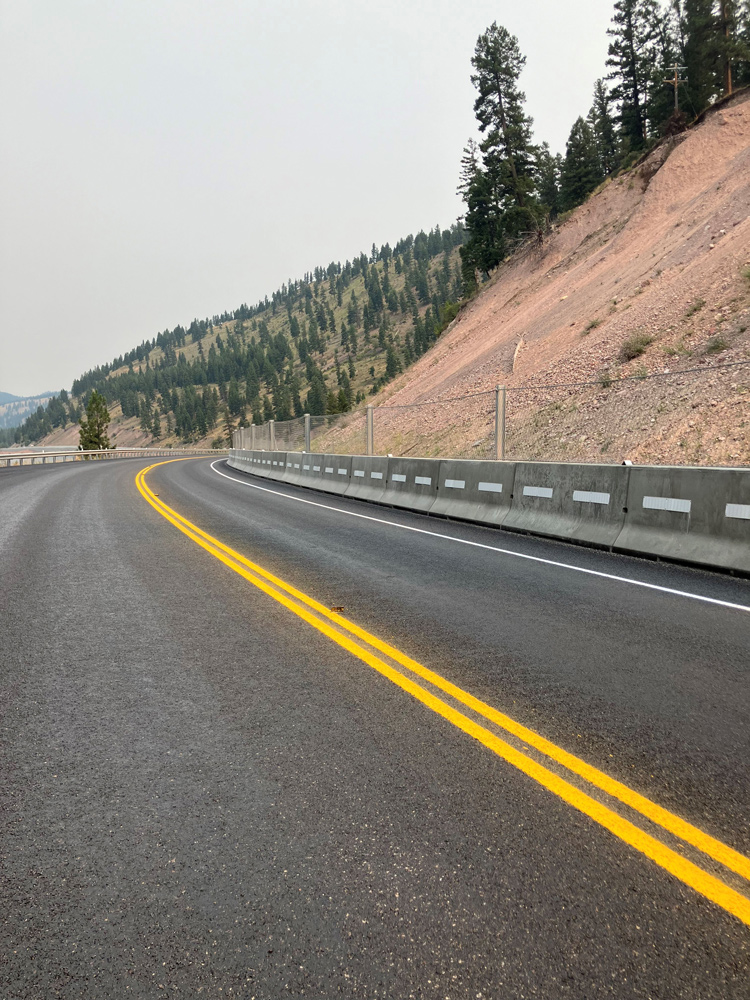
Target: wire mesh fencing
<point>690,417</point>
<point>460,427</point>
<point>693,416</point>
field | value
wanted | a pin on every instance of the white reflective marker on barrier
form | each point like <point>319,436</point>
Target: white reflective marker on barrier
<point>329,470</point>
<point>455,484</point>
<point>397,478</point>
<point>667,503</point>
<point>296,465</point>
<point>306,468</point>
<point>359,472</point>
<point>740,510</point>
<point>342,472</point>
<point>584,496</point>
<point>490,487</point>
<point>544,492</point>
<point>376,475</point>
<point>423,480</point>
<point>316,468</point>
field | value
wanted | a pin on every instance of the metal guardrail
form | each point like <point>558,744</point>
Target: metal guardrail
<point>52,457</point>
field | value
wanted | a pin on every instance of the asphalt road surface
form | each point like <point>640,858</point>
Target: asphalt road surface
<point>212,786</point>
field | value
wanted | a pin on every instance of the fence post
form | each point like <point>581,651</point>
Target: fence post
<point>370,443</point>
<point>500,423</point>
<point>271,436</point>
<point>252,437</point>
<point>307,433</point>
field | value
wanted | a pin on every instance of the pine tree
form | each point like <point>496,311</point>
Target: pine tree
<point>507,150</point>
<point>92,435</point>
<point>392,364</point>
<point>499,191</point>
<point>156,425</point>
<point>630,56</point>
<point>698,44</point>
<point>581,172</point>
<point>733,44</point>
<point>603,126</point>
<point>548,180</point>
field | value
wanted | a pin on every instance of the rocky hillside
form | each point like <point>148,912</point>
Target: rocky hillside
<point>651,276</point>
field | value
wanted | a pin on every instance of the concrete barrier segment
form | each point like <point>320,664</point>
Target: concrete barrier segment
<point>580,503</point>
<point>474,491</point>
<point>368,478</point>
<point>691,515</point>
<point>411,483</point>
<point>337,470</point>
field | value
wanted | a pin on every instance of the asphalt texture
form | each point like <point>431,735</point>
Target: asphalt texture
<point>201,795</point>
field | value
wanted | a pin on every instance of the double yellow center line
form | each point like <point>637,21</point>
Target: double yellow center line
<point>685,838</point>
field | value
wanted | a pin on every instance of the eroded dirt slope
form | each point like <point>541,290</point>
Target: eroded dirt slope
<point>661,254</point>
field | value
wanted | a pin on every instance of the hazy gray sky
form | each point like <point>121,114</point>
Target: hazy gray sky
<point>169,159</point>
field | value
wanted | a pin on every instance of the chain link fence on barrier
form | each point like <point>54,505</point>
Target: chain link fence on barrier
<point>693,416</point>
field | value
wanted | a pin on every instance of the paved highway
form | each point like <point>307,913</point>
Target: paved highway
<point>500,767</point>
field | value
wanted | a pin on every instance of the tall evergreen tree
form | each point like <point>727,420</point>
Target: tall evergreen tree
<point>499,192</point>
<point>507,149</point>
<point>631,58</point>
<point>581,171</point>
<point>698,38</point>
<point>603,126</point>
<point>92,435</point>
<point>548,180</point>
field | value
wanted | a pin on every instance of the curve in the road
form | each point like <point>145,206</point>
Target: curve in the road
<point>381,657</point>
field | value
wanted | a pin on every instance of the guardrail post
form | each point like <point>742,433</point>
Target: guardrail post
<point>370,436</point>
<point>307,433</point>
<point>271,436</point>
<point>500,392</point>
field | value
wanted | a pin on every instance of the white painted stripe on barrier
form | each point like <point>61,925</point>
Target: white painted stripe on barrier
<point>329,470</point>
<point>544,492</point>
<point>455,484</point>
<point>584,496</point>
<point>423,481</point>
<point>741,510</point>
<point>359,472</point>
<point>316,468</point>
<point>490,487</point>
<point>342,472</point>
<point>398,478</point>
<point>673,504</point>
<point>376,475</point>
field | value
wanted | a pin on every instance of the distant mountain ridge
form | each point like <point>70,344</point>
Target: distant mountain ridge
<point>15,409</point>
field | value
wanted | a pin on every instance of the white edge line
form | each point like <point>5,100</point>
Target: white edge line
<point>494,548</point>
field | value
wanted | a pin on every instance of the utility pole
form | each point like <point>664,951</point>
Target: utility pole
<point>675,82</point>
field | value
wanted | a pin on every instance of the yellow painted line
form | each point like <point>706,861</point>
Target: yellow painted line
<point>320,618</point>
<point>708,845</point>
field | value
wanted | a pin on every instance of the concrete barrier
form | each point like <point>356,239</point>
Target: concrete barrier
<point>293,471</point>
<point>368,478</point>
<point>336,474</point>
<point>474,491</point>
<point>579,503</point>
<point>310,470</point>
<point>697,516</point>
<point>411,483</point>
